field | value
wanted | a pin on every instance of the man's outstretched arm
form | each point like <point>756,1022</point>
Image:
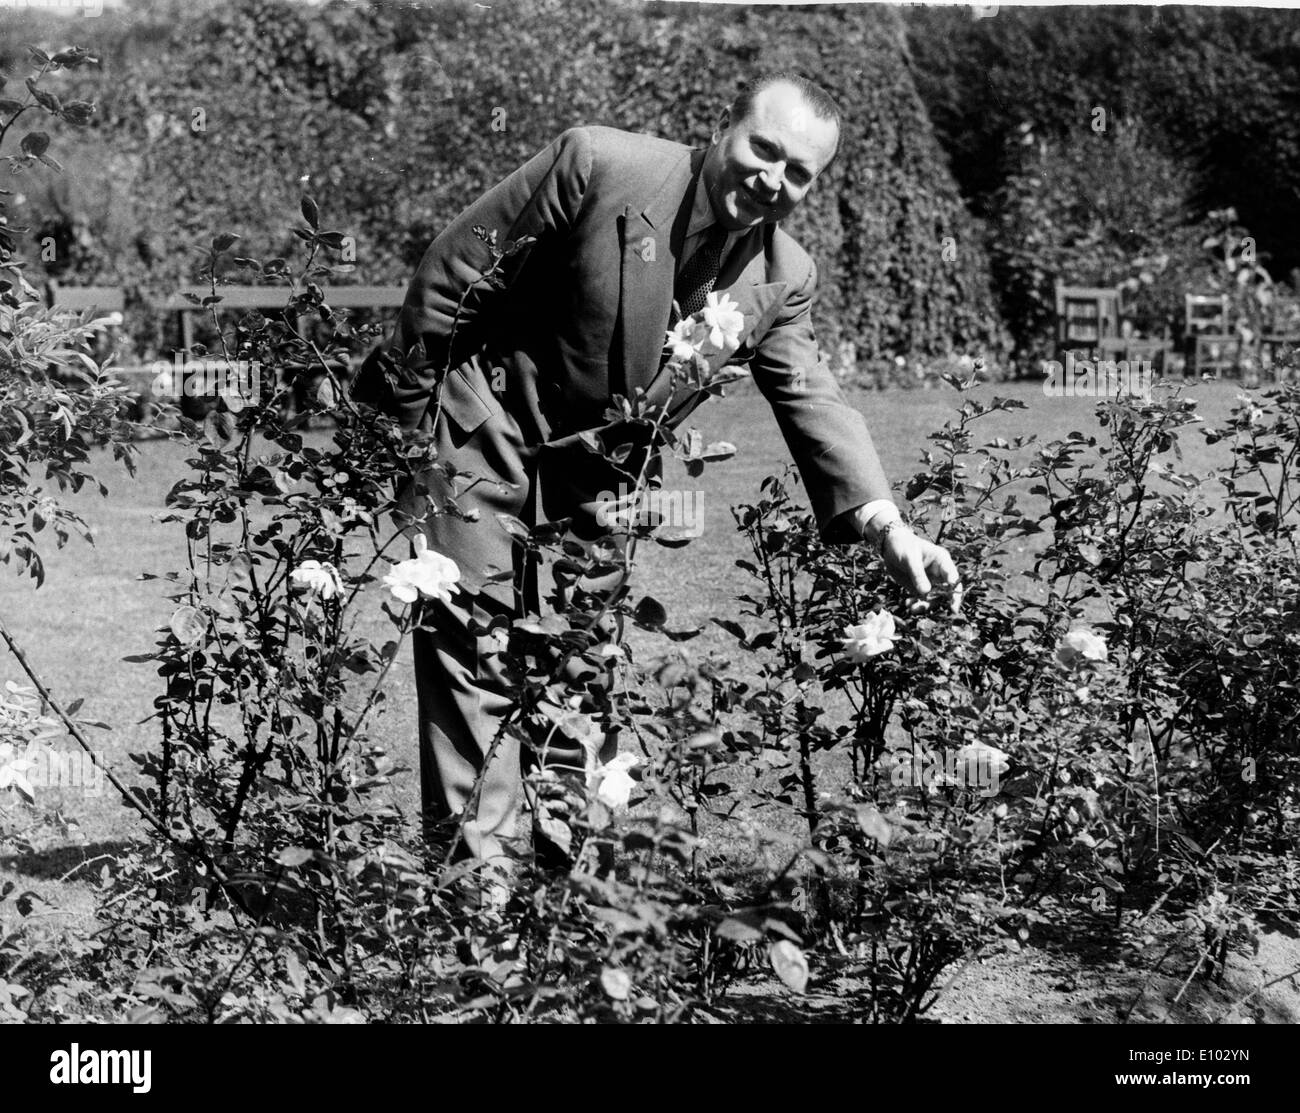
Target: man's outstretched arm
<point>827,437</point>
<point>832,448</point>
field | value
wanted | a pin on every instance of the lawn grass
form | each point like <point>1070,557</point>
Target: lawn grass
<point>94,610</point>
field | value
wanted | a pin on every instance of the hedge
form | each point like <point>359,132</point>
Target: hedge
<point>387,113</point>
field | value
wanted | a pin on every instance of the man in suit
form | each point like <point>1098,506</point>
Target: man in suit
<point>627,230</point>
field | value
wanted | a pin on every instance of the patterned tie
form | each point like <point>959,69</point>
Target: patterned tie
<point>700,273</point>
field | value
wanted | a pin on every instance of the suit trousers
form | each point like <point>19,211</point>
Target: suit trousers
<point>462,688</point>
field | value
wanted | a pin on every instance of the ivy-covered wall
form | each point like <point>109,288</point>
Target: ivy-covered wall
<point>397,115</point>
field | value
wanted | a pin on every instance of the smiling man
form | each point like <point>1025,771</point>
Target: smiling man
<point>629,233</point>
<point>770,146</point>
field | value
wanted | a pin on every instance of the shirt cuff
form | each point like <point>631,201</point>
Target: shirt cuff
<point>872,517</point>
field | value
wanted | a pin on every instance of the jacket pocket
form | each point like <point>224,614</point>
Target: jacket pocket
<point>467,399</point>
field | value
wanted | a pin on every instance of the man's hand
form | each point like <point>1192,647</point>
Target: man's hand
<point>917,563</point>
<point>913,561</point>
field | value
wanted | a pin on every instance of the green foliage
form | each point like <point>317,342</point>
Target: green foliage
<point>1112,735</point>
<point>1149,762</point>
<point>1001,773</point>
<point>56,403</point>
<point>397,116</point>
<point>56,406</point>
<point>265,793</point>
<point>1216,85</point>
<point>1103,208</point>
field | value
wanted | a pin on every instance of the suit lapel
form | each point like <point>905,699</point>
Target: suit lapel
<point>652,241</point>
<point>645,297</point>
<point>758,302</point>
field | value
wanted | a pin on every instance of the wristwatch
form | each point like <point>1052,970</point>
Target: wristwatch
<point>874,517</point>
<point>887,529</point>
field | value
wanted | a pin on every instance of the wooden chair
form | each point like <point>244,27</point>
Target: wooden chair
<point>1086,316</point>
<point>1279,346</point>
<point>1211,347</point>
<point>1215,353</point>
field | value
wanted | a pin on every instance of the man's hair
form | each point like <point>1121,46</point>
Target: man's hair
<point>819,100</point>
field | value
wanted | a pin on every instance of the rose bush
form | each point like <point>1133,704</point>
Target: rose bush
<point>851,800</point>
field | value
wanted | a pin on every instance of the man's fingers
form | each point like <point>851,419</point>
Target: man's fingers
<point>912,560</point>
<point>916,572</point>
<point>943,565</point>
<point>905,559</point>
<point>945,571</point>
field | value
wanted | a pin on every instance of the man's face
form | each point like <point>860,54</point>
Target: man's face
<point>759,168</point>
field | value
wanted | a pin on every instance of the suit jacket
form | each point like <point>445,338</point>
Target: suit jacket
<point>583,311</point>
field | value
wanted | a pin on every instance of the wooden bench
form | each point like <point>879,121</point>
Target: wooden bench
<point>100,301</point>
<point>272,298</point>
<point>104,299</point>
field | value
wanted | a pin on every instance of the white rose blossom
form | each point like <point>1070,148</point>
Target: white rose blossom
<point>428,573</point>
<point>320,578</point>
<point>1081,645</point>
<point>724,320</point>
<point>869,638</point>
<point>612,782</point>
<point>681,340</point>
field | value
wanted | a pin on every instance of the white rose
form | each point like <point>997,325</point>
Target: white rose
<point>869,638</point>
<point>724,321</point>
<point>1080,645</point>
<point>319,578</point>
<point>428,573</point>
<point>681,341</point>
<point>612,782</point>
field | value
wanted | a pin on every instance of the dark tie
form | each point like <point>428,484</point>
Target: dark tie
<point>700,272</point>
